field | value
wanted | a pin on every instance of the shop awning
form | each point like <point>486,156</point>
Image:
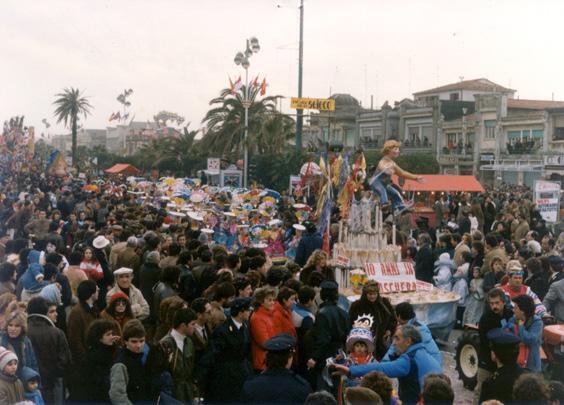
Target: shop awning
<point>443,182</point>
<point>123,168</point>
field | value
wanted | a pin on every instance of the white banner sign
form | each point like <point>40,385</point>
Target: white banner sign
<point>547,199</point>
<point>392,277</point>
<point>213,165</point>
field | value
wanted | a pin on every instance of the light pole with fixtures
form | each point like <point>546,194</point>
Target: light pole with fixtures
<point>242,58</point>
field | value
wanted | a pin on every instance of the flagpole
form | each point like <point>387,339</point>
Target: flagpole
<point>245,148</point>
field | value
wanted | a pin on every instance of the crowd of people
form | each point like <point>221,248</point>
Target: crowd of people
<point>112,295</point>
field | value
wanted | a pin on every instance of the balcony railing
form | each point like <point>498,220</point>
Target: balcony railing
<point>524,148</point>
<point>467,149</point>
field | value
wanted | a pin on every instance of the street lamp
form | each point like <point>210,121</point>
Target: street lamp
<point>242,58</point>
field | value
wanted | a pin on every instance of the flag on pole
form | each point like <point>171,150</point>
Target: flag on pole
<point>255,82</point>
<point>231,86</point>
<point>263,87</point>
<point>238,84</point>
<point>112,117</point>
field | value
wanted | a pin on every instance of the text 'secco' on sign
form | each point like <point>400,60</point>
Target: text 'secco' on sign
<point>322,104</point>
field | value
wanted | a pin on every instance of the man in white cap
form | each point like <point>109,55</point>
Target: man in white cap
<point>123,282</point>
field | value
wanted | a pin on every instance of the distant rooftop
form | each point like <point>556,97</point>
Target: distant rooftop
<point>476,84</point>
<point>534,104</point>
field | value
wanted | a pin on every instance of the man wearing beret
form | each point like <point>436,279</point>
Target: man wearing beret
<point>227,364</point>
<point>278,383</point>
<point>504,352</point>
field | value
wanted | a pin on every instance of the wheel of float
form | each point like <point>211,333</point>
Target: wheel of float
<point>467,358</point>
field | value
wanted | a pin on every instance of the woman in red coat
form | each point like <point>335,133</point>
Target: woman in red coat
<point>262,325</point>
<point>283,312</point>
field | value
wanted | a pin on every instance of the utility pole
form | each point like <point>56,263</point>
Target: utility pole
<point>300,113</point>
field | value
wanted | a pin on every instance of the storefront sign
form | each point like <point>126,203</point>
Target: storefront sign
<point>547,199</point>
<point>392,277</point>
<point>322,104</point>
<point>487,157</point>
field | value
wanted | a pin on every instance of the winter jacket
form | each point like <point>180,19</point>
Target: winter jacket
<point>283,320</point>
<point>410,368</point>
<point>94,374</point>
<point>383,315</point>
<point>162,291</point>
<point>149,275</point>
<point>32,279</point>
<point>23,348</point>
<point>80,318</point>
<point>329,332</point>
<point>443,278</point>
<point>227,364</point>
<point>530,334</point>
<point>33,396</point>
<point>495,252</point>
<point>539,284</point>
<point>554,300</point>
<point>427,341</point>
<point>308,244</point>
<point>50,346</point>
<point>280,386</point>
<point>139,305</point>
<point>424,264</point>
<point>489,321</point>
<point>262,329</point>
<point>181,365</point>
<point>11,390</point>
<point>130,379</point>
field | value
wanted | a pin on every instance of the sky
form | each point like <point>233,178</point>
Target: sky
<point>177,55</point>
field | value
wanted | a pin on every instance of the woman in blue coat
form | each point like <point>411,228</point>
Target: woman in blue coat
<point>529,328</point>
<point>14,338</point>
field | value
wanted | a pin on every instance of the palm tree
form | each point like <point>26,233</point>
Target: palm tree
<point>225,122</point>
<point>70,104</point>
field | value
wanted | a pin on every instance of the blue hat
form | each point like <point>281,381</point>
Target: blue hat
<point>280,343</point>
<point>501,336</point>
<point>240,303</point>
<point>329,285</point>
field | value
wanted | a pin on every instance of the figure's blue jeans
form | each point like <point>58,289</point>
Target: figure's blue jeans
<point>388,193</point>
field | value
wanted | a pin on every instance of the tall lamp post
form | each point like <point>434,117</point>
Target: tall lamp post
<point>242,58</point>
<point>300,113</point>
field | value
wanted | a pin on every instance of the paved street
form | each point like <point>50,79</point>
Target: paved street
<point>462,395</point>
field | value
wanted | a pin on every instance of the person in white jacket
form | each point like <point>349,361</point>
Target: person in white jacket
<point>123,277</point>
<point>443,272</point>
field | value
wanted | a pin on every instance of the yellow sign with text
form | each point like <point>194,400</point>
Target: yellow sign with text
<point>322,104</point>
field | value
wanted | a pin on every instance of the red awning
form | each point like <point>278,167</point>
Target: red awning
<point>123,168</point>
<point>443,182</point>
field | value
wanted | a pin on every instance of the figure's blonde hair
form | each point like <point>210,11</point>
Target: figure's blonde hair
<point>389,145</point>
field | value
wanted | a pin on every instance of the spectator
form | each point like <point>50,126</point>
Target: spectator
<point>381,385</point>
<point>476,298</point>
<point>329,332</point>
<point>320,398</point>
<point>80,318</point>
<point>443,272</point>
<point>262,324</point>
<point>95,369</point>
<point>7,278</point>
<point>412,354</point>
<point>50,347</point>
<point>496,315</point>
<point>228,362</point>
<point>317,262</point>
<point>437,390</point>
<point>118,311</point>
<point>362,396</point>
<point>554,300</point>
<point>14,337</point>
<point>123,282</point>
<point>538,279</point>
<point>406,316</point>
<point>130,377</point>
<point>282,312</point>
<point>382,312</point>
<point>515,287</point>
<point>91,266</point>
<point>202,333</point>
<point>492,250</point>
<point>531,389</point>
<point>424,262</point>
<point>309,242</point>
<point>223,294</point>
<point>179,351</point>
<point>529,328</point>
<point>278,383</point>
<point>11,388</point>
<point>166,287</point>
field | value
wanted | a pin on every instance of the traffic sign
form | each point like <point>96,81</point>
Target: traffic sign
<point>322,104</point>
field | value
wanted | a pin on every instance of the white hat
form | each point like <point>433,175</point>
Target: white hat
<point>207,230</point>
<point>6,356</point>
<point>195,216</point>
<point>274,222</point>
<point>229,214</point>
<point>100,242</point>
<point>260,245</point>
<point>299,227</point>
<point>299,206</point>
<point>123,270</point>
<point>176,214</point>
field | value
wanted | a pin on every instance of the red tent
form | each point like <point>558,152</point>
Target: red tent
<point>443,182</point>
<point>123,168</point>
